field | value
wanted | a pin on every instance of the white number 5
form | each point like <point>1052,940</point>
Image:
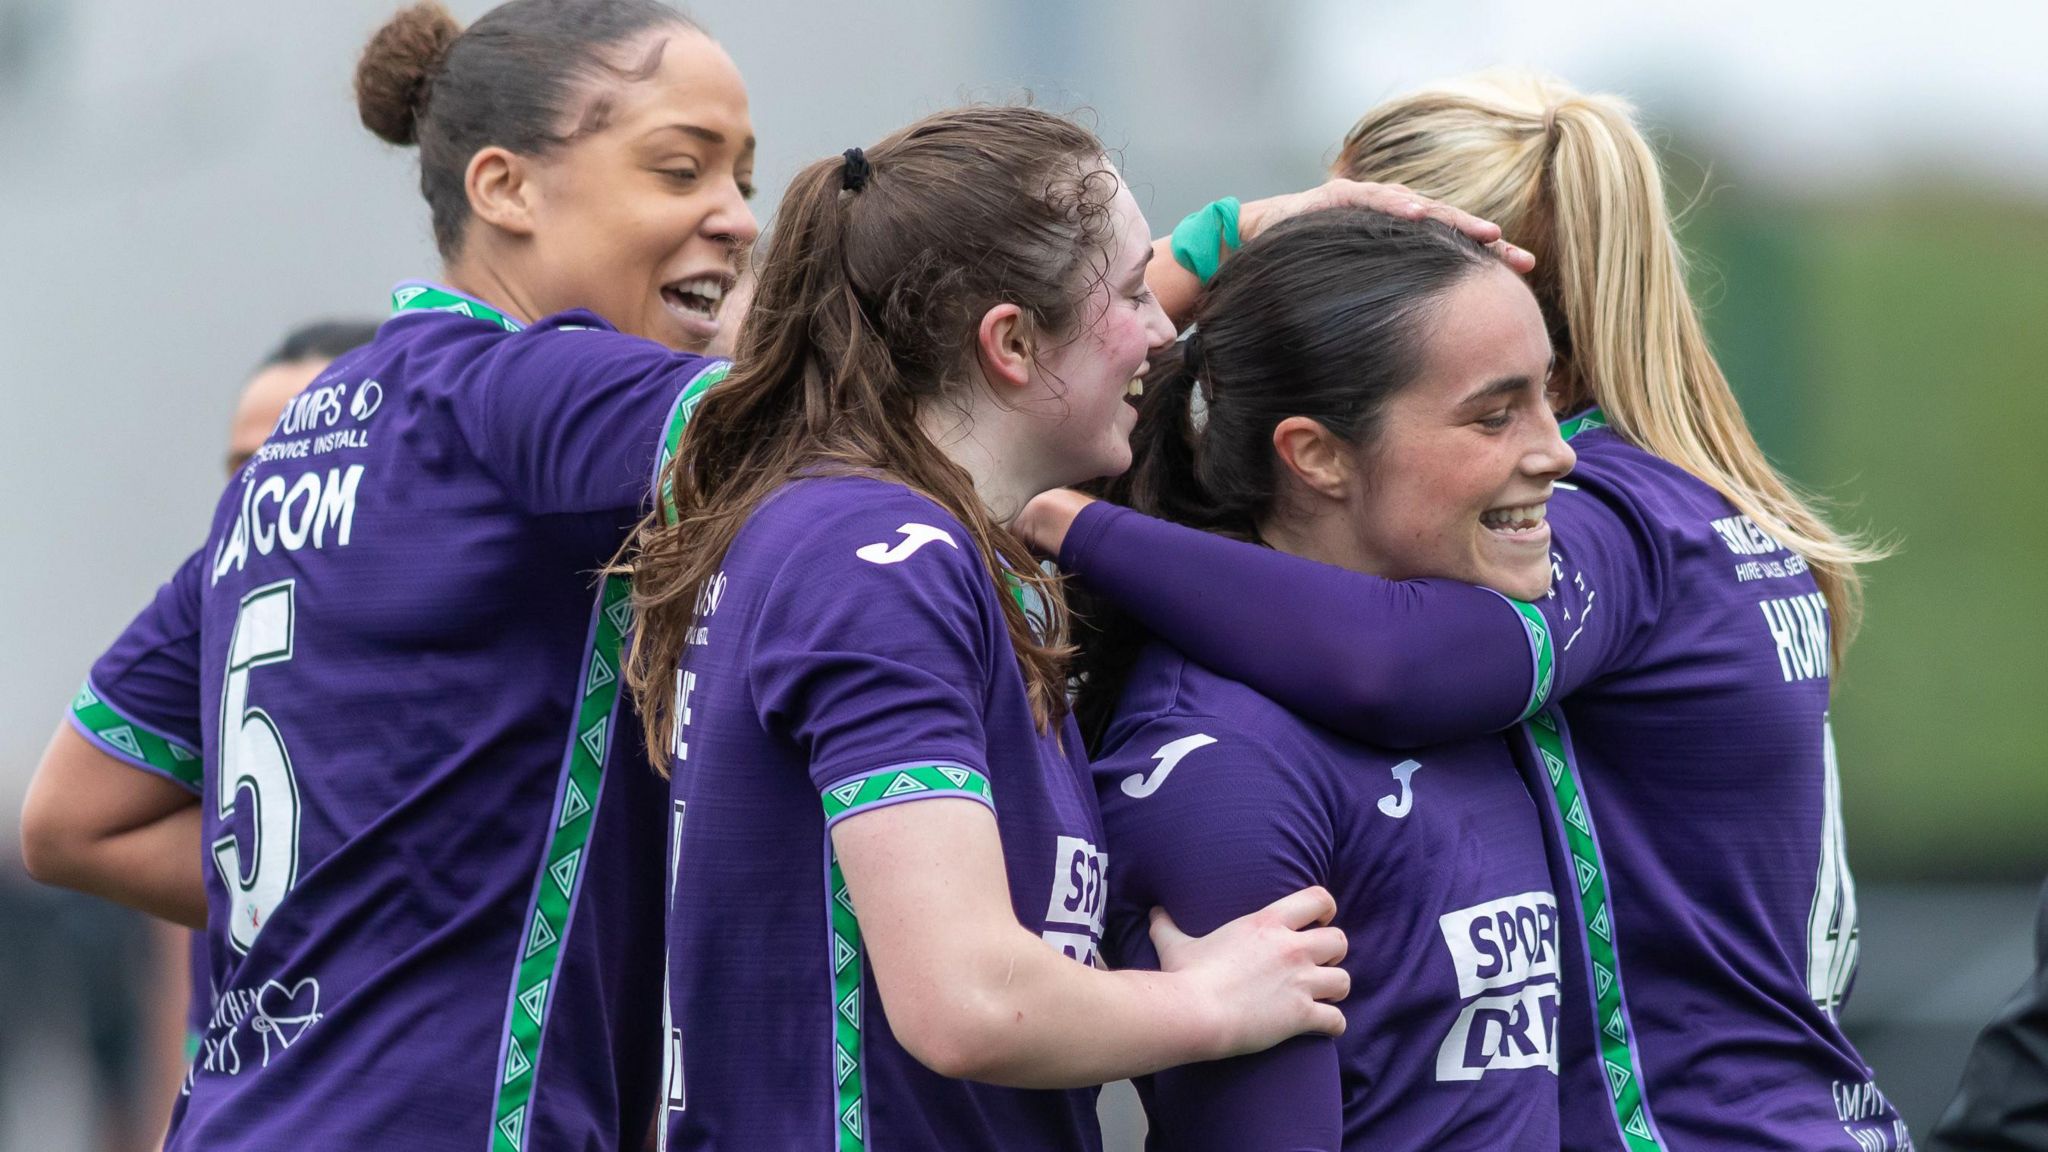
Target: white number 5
<point>253,760</point>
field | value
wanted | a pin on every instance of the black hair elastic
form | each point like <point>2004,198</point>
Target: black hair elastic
<point>855,175</point>
<point>1191,352</point>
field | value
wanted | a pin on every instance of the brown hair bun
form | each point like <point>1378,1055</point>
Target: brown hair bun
<point>396,73</point>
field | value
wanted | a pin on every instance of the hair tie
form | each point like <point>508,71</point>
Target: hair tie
<point>1198,397</point>
<point>854,176</point>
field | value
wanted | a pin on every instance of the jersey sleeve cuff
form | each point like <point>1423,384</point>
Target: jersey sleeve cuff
<point>679,415</point>
<point>132,742</point>
<point>1542,655</point>
<point>901,783</point>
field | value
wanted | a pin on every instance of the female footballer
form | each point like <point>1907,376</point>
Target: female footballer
<point>432,860</point>
<point>1674,678</point>
<point>1329,350</point>
<point>890,884</point>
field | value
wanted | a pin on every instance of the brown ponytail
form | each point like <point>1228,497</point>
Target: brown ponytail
<point>865,312</point>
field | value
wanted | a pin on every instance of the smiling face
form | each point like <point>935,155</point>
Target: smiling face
<point>642,220</point>
<point>1457,481</point>
<point>1081,382</point>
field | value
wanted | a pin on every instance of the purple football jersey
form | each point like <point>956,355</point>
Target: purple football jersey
<point>434,857</point>
<point>199,992</point>
<point>1217,801</point>
<point>1675,681</point>
<point>851,653</point>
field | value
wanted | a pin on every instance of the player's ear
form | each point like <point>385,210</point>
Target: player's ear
<point>502,190</point>
<point>1002,343</point>
<point>1315,456</point>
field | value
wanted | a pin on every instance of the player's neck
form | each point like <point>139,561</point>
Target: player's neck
<point>973,436</point>
<point>488,282</point>
<point>1327,539</point>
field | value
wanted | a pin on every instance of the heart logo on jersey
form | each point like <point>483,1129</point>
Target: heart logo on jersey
<point>285,1013</point>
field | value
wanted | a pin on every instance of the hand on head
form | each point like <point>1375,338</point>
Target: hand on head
<point>1391,199</point>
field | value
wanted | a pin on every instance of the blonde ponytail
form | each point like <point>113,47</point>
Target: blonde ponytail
<point>1568,176</point>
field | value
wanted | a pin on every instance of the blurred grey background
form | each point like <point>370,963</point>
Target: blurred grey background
<point>1866,190</point>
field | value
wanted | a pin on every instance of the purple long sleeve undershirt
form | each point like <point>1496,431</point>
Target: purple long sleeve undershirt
<point>1402,663</point>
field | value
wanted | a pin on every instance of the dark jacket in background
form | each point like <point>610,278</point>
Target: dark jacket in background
<point>2002,1105</point>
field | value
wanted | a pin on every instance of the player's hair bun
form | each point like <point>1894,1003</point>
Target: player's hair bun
<point>396,74</point>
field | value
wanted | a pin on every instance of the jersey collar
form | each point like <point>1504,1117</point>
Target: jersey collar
<point>420,296</point>
<point>1585,421</point>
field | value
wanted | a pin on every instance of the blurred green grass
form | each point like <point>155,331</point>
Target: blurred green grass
<point>1892,356</point>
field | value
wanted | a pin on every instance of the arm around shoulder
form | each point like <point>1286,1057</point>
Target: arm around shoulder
<point>1401,663</point>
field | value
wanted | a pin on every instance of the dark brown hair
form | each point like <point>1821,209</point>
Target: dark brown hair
<point>512,80</point>
<point>867,310</point>
<point>1323,316</point>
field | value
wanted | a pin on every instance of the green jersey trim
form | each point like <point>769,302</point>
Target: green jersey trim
<point>875,789</point>
<point>1623,1071</point>
<point>1585,421</point>
<point>414,296</point>
<point>849,961</point>
<point>546,924</point>
<point>900,782</point>
<point>692,395</point>
<point>132,742</point>
<point>1542,656</point>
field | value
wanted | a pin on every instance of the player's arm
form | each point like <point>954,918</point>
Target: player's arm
<point>113,807</point>
<point>974,995</point>
<point>572,419</point>
<point>1404,663</point>
<point>96,824</point>
<point>1178,289</point>
<point>878,668</point>
<point>1232,826</point>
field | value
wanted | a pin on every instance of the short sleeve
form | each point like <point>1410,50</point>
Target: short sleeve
<point>873,646</point>
<point>569,414</point>
<point>1203,821</point>
<point>141,702</point>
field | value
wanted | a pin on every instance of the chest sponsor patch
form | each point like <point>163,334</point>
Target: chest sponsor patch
<point>1073,913</point>
<point>1504,953</point>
